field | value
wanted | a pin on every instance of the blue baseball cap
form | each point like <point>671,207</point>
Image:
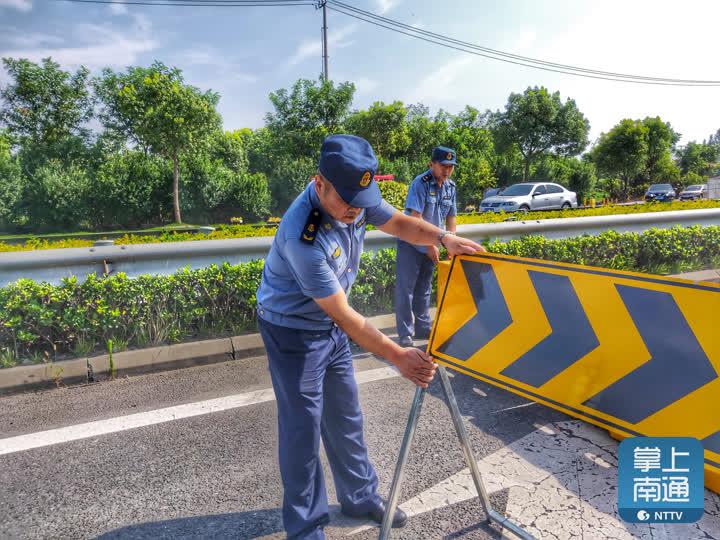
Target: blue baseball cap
<point>444,155</point>
<point>349,164</point>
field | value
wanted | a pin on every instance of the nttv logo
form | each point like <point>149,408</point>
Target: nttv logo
<point>660,480</point>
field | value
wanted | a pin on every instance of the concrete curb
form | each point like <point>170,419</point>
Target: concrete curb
<point>703,275</point>
<point>87,370</point>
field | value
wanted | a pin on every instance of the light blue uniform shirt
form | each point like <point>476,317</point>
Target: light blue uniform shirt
<point>296,272</point>
<point>435,203</point>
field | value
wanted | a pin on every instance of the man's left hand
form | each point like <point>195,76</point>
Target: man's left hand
<point>456,245</point>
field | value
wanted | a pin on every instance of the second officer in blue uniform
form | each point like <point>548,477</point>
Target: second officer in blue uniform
<point>431,197</point>
<point>305,321</point>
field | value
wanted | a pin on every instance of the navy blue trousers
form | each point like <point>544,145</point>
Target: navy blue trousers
<point>313,378</point>
<point>413,286</point>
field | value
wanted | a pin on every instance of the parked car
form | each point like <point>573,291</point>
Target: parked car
<point>690,193</point>
<point>530,196</point>
<point>660,192</point>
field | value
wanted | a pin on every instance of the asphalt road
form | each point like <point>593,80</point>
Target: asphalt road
<point>126,461</point>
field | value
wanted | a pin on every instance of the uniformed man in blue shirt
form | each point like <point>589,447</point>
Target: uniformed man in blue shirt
<point>431,197</point>
<point>305,321</point>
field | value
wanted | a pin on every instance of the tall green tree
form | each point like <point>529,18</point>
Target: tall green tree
<point>11,182</point>
<point>698,158</point>
<point>538,122</point>
<point>229,147</point>
<point>426,132</point>
<point>163,113</point>
<point>714,139</point>
<point>307,113</point>
<point>623,152</point>
<point>662,139</point>
<point>383,126</point>
<point>582,178</point>
<point>45,109</point>
<point>473,141</point>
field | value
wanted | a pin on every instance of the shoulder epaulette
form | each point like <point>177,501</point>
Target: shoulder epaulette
<point>451,182</point>
<point>427,177</point>
<point>311,226</point>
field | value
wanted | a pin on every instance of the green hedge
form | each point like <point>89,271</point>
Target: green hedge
<point>41,322</point>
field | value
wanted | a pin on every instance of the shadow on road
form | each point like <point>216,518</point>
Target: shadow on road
<point>235,525</point>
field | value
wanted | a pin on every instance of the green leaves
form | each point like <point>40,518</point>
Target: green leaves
<point>638,152</point>
<point>155,108</point>
<point>43,105</point>
<point>306,114</point>
<point>394,192</point>
<point>383,126</point>
<point>42,320</point>
<point>538,122</point>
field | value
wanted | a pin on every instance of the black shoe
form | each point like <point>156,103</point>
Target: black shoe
<point>377,513</point>
<point>406,341</point>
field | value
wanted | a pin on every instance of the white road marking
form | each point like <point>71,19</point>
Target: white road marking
<point>562,483</point>
<point>158,416</point>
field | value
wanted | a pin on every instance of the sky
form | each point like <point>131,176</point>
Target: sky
<point>246,53</point>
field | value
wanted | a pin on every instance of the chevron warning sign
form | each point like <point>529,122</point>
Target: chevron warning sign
<point>634,353</point>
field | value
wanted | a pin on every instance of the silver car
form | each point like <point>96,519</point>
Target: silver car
<point>694,192</point>
<point>530,196</point>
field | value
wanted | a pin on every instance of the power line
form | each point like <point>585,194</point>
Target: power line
<point>199,3</point>
<point>495,54</point>
<point>516,56</point>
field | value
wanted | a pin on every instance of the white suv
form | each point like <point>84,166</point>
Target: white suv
<point>530,196</point>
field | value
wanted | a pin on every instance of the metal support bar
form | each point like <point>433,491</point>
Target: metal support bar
<point>402,459</point>
<point>472,463</point>
<point>491,514</point>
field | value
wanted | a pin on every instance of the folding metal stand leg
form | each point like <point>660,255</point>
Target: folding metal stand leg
<point>402,459</point>
<point>491,514</point>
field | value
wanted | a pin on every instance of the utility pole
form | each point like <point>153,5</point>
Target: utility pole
<point>322,4</point>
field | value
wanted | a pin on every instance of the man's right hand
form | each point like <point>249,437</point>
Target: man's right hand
<point>416,366</point>
<point>433,254</point>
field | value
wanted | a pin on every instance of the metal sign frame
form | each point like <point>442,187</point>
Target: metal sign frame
<point>492,515</point>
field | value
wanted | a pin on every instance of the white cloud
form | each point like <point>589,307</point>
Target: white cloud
<point>383,6</point>
<point>118,9</point>
<point>308,49</point>
<point>441,86</point>
<point>17,38</point>
<point>142,23</point>
<point>580,37</point>
<point>100,46</point>
<point>20,5</point>
<point>365,86</point>
<point>636,49</point>
<point>524,40</point>
<point>228,71</point>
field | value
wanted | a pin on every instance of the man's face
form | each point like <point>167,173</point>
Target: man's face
<point>333,204</point>
<point>441,172</point>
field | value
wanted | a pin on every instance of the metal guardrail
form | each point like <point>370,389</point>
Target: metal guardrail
<point>138,259</point>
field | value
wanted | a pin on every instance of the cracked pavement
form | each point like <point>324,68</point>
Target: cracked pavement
<point>215,475</point>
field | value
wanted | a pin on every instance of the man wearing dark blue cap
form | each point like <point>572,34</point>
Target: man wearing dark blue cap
<point>431,197</point>
<point>305,321</point>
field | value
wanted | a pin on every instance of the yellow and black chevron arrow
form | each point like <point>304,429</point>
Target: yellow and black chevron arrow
<point>634,353</point>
